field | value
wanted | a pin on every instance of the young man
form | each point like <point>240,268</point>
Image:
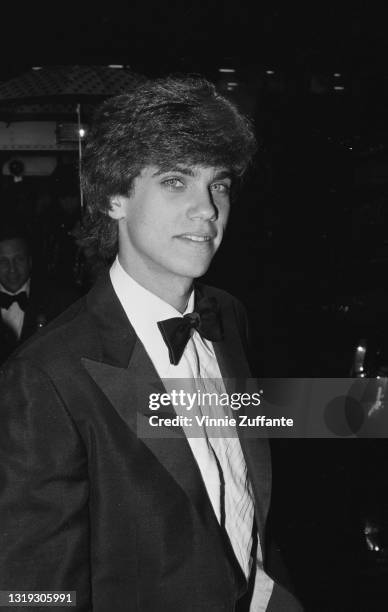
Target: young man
<point>87,505</point>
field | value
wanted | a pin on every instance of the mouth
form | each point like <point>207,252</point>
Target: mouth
<point>197,238</point>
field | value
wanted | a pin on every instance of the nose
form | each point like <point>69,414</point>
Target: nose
<point>14,268</point>
<point>202,206</point>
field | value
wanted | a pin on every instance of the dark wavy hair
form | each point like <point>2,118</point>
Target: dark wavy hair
<point>159,122</point>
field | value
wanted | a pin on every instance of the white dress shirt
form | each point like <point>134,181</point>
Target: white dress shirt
<point>14,315</point>
<point>144,309</point>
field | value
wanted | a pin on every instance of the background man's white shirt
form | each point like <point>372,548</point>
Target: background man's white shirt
<point>14,315</point>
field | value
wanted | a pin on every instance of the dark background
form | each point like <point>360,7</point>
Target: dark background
<point>307,248</point>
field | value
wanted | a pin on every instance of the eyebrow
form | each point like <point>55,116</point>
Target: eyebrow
<point>185,170</point>
<point>222,174</point>
<point>181,169</point>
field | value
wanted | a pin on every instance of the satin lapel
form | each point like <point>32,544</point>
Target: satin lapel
<point>116,334</point>
<point>127,377</point>
<point>230,354</point>
<point>258,460</point>
<point>30,317</point>
<point>7,333</point>
<point>128,390</point>
<point>235,371</point>
<point>35,310</point>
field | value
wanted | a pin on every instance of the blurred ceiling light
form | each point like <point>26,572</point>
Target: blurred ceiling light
<point>339,87</point>
<point>37,67</point>
<point>226,70</point>
<point>115,65</point>
<point>232,84</point>
<point>270,72</point>
<point>337,74</point>
<point>82,132</point>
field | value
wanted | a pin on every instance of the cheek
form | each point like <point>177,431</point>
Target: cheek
<point>148,218</point>
<point>145,231</point>
<point>223,217</point>
<point>21,267</point>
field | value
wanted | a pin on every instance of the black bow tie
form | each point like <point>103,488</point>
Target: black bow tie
<point>176,331</point>
<point>6,299</point>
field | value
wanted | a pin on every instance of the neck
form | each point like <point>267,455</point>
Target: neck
<point>23,287</point>
<point>173,290</point>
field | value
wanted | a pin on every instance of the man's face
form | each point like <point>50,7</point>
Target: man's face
<point>15,264</point>
<point>173,222</point>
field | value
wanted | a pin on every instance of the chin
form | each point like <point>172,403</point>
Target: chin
<point>190,268</point>
<point>196,271</point>
<point>12,288</point>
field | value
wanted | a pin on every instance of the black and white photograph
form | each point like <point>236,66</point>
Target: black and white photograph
<point>193,306</point>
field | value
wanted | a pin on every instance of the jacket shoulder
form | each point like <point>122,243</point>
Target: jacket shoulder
<point>225,300</point>
<point>222,296</point>
<point>234,312</point>
<point>70,335</point>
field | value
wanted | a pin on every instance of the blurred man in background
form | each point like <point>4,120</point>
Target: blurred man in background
<point>27,301</point>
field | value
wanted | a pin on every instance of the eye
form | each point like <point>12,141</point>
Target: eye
<point>173,183</point>
<point>223,188</point>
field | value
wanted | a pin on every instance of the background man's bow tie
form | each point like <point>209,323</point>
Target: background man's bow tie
<point>6,300</point>
<point>176,331</point>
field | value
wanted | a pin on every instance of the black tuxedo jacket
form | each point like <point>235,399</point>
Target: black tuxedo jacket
<point>87,505</point>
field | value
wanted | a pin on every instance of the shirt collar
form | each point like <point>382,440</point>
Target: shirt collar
<point>141,306</point>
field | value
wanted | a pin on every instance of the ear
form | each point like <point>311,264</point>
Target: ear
<point>118,207</point>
